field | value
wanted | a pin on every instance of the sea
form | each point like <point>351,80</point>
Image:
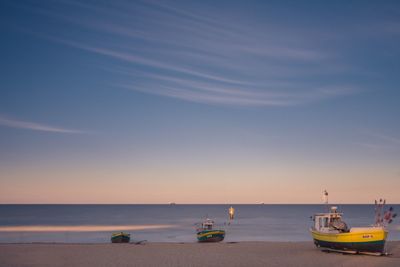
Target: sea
<point>170,223</point>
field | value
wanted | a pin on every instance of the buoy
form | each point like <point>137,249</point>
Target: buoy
<point>231,213</point>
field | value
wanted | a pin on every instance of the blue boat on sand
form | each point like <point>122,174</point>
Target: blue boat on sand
<point>207,233</point>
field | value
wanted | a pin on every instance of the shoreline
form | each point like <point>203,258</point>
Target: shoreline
<point>246,253</point>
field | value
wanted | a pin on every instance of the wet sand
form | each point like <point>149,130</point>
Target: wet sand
<point>188,254</point>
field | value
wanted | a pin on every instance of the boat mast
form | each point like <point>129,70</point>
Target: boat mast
<point>325,199</point>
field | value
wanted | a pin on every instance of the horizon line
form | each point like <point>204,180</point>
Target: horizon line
<point>174,204</point>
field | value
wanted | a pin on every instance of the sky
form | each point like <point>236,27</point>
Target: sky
<point>199,101</point>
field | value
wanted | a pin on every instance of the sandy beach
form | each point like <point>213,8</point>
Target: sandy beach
<point>188,254</point>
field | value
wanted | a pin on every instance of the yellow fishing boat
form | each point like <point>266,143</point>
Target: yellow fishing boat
<point>330,232</point>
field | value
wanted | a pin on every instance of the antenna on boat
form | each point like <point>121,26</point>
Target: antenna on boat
<point>378,211</point>
<point>325,199</point>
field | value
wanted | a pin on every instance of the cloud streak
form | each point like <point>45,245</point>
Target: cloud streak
<point>12,123</point>
<point>380,141</point>
<point>197,55</point>
<point>388,139</point>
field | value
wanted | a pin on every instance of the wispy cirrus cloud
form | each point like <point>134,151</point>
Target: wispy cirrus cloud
<point>380,141</point>
<point>273,94</point>
<point>199,55</point>
<point>386,138</point>
<point>13,123</point>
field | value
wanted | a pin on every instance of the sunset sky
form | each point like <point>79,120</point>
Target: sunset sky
<point>199,101</point>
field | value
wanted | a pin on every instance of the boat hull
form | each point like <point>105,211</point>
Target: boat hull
<point>120,238</point>
<point>371,247</point>
<point>211,235</point>
<point>363,240</point>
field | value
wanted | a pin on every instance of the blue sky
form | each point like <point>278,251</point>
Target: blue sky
<point>262,101</point>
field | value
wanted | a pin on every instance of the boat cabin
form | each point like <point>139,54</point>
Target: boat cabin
<point>330,222</point>
<point>207,224</point>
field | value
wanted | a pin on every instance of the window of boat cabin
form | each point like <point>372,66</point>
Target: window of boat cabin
<point>326,221</point>
<point>323,222</point>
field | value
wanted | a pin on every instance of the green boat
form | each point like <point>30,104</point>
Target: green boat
<point>120,237</point>
<point>206,233</point>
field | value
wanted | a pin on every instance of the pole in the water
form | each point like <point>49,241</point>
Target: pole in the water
<point>231,213</point>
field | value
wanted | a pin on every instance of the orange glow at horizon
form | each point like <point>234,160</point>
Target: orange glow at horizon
<point>247,186</point>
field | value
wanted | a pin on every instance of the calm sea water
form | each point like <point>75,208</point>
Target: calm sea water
<point>251,223</point>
